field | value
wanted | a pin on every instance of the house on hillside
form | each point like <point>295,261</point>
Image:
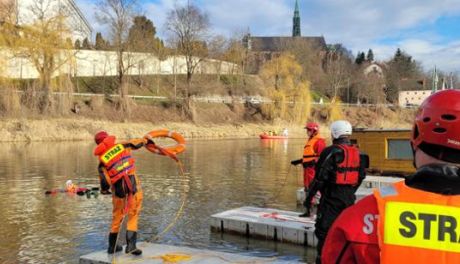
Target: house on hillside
<point>413,98</point>
<point>375,69</point>
<point>24,12</point>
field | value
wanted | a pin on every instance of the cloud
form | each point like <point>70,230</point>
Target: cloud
<point>88,8</point>
<point>360,25</point>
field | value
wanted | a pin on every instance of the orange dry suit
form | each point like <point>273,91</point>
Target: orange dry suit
<point>313,148</point>
<point>118,172</point>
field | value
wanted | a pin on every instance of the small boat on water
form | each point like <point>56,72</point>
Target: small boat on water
<point>265,136</point>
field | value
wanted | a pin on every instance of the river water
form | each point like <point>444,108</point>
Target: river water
<point>220,175</point>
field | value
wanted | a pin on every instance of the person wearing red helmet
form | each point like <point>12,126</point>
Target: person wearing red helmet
<point>313,148</point>
<point>117,171</point>
<point>416,220</point>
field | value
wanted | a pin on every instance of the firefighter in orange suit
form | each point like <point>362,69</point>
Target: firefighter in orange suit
<point>313,147</point>
<point>416,220</point>
<point>117,172</point>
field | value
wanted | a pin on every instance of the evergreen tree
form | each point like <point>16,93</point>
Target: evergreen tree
<point>141,35</point>
<point>77,44</point>
<point>85,45</point>
<point>370,56</point>
<point>101,43</point>
<point>360,58</point>
<point>400,67</point>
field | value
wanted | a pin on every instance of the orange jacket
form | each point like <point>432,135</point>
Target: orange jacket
<point>313,149</point>
<point>415,226</point>
<point>116,161</point>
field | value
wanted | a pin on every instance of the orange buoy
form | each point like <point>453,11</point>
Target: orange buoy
<point>176,149</point>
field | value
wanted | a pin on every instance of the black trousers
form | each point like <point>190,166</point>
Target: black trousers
<point>325,217</point>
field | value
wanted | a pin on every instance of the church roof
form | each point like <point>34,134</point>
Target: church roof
<point>274,44</point>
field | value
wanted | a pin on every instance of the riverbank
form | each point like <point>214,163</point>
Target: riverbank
<point>214,122</point>
<point>20,130</point>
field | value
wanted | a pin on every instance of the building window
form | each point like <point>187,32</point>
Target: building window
<point>399,149</point>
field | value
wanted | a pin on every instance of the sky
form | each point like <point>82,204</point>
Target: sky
<point>428,30</point>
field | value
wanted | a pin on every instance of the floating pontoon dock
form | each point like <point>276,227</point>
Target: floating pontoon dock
<point>156,253</point>
<point>278,225</point>
<point>368,184</point>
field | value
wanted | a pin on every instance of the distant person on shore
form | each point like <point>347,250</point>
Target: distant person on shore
<point>117,172</point>
<point>339,171</point>
<point>313,147</point>
<point>285,132</point>
<point>417,219</point>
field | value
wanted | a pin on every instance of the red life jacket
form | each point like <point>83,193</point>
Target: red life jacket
<point>116,159</point>
<point>348,169</point>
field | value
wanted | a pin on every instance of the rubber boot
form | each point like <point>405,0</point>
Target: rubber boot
<point>131,248</point>
<point>306,214</point>
<point>112,244</point>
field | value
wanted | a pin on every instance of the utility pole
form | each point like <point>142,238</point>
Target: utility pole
<point>348,90</point>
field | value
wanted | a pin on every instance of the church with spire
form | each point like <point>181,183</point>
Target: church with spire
<point>263,48</point>
<point>296,21</point>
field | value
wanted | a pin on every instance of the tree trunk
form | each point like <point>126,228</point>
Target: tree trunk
<point>45,97</point>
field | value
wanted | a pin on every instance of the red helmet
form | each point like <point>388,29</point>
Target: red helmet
<point>312,126</point>
<point>437,126</point>
<point>100,136</point>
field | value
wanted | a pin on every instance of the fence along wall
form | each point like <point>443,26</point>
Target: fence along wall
<point>91,63</point>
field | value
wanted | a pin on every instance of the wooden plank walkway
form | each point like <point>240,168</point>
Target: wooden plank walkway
<point>266,223</point>
<point>156,253</point>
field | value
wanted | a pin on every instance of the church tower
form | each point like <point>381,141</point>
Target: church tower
<point>296,21</point>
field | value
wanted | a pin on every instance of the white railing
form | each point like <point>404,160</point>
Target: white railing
<point>255,100</point>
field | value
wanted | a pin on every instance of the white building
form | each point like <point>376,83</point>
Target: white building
<point>28,11</point>
<point>413,98</point>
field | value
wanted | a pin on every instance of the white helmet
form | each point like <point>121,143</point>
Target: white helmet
<point>68,183</point>
<point>340,128</point>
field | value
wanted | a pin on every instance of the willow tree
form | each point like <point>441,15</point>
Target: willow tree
<point>42,42</point>
<point>289,92</point>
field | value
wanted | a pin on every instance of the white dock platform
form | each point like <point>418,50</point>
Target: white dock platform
<point>156,253</point>
<point>278,225</point>
<point>368,184</point>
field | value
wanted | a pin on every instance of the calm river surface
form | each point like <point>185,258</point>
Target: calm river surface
<point>220,175</point>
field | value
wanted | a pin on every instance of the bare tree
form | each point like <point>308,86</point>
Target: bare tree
<point>43,42</point>
<point>8,11</point>
<point>189,27</point>
<point>118,16</point>
<point>337,68</point>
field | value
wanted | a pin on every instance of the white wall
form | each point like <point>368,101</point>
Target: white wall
<point>92,63</point>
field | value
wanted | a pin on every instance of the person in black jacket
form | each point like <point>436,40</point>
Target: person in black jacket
<point>339,171</point>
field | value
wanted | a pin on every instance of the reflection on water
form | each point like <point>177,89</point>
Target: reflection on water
<point>220,175</point>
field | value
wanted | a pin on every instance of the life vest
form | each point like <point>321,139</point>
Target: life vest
<point>71,188</point>
<point>309,153</point>
<point>116,159</point>
<point>416,226</point>
<point>348,169</point>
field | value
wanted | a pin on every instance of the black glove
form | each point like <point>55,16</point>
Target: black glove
<point>296,162</point>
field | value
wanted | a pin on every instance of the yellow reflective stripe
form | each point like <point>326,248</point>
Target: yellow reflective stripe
<point>112,153</point>
<point>122,166</point>
<point>426,226</point>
